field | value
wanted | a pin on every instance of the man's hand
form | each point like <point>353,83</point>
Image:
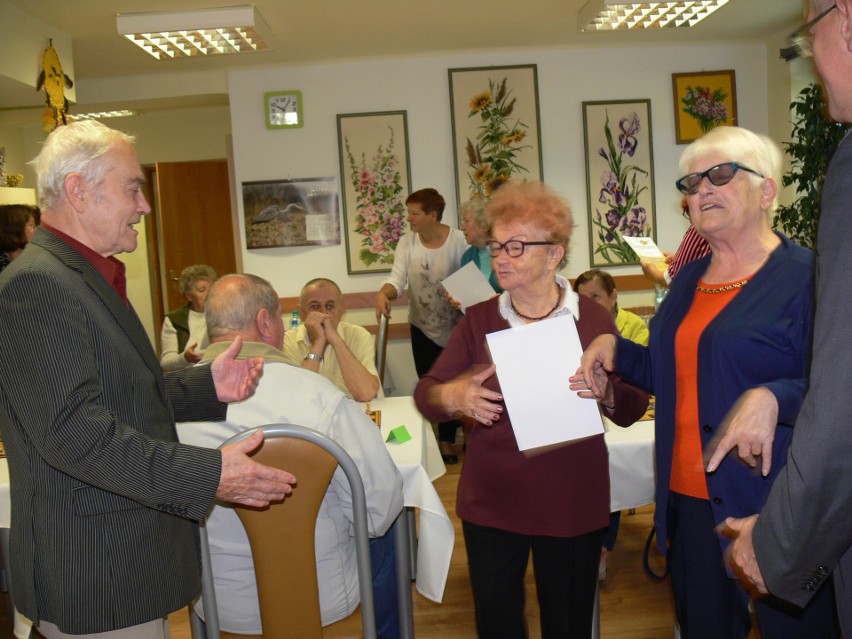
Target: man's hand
<point>248,483</point>
<point>741,552</point>
<point>191,355</point>
<point>317,324</point>
<point>235,379</point>
<point>749,426</point>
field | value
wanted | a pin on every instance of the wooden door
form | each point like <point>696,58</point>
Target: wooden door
<point>194,221</point>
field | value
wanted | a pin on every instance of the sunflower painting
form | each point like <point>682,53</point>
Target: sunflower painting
<point>495,128</point>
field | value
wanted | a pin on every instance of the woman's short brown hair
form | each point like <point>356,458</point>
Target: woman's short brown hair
<point>430,201</point>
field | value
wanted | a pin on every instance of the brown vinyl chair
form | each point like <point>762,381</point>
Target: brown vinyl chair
<point>282,542</point>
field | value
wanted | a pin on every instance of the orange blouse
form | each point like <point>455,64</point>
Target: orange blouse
<point>688,476</point>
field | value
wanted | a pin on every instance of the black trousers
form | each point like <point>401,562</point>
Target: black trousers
<point>425,352</point>
<point>711,605</point>
<point>566,574</point>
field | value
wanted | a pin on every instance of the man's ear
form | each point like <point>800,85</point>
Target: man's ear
<point>845,9</point>
<point>262,322</point>
<point>75,190</point>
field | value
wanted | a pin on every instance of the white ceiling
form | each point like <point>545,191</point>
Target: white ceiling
<point>304,31</point>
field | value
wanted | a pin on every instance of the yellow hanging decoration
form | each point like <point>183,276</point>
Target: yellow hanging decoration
<point>54,81</point>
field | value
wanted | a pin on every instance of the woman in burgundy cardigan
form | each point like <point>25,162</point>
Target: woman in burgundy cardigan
<point>555,504</point>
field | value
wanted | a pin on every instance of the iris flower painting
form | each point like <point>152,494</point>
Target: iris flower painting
<point>621,196</point>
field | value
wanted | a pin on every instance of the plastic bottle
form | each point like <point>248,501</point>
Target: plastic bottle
<point>294,320</point>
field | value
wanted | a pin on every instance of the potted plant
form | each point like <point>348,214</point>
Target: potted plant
<point>814,139</point>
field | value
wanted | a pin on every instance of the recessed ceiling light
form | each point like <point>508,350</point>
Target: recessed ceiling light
<point>611,15</point>
<point>177,34</point>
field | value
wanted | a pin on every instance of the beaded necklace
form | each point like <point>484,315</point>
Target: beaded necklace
<point>548,314</point>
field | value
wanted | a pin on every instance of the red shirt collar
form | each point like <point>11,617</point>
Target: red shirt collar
<point>110,268</point>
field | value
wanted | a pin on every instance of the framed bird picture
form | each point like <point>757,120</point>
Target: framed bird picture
<point>303,212</point>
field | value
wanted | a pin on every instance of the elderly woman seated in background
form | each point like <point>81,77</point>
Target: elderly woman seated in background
<point>600,286</point>
<point>476,226</point>
<point>18,222</point>
<point>727,362</point>
<point>184,335</point>
<point>555,503</point>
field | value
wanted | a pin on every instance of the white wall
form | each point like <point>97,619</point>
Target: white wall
<point>419,85</point>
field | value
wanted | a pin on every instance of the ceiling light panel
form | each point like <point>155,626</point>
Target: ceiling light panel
<point>179,34</point>
<point>611,15</point>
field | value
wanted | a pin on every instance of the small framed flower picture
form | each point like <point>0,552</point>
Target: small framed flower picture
<point>619,178</point>
<point>376,177</point>
<point>703,101</point>
<point>496,133</point>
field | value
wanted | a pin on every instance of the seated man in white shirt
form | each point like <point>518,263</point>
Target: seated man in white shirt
<point>247,306</point>
<point>342,352</point>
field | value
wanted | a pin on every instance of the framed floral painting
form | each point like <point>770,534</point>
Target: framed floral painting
<point>703,101</point>
<point>619,178</point>
<point>376,176</point>
<point>496,133</point>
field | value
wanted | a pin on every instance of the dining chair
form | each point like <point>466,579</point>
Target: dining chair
<point>282,542</point>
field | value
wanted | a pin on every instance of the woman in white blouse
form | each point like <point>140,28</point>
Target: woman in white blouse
<point>426,255</point>
<point>184,335</point>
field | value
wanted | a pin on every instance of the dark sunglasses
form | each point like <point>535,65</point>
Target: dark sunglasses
<point>718,175</point>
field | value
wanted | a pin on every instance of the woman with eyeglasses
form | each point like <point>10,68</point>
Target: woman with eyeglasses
<point>554,504</point>
<point>727,362</point>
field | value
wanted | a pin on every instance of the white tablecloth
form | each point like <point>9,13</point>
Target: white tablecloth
<point>631,464</point>
<point>419,462</point>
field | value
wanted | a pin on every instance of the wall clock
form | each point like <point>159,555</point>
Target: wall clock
<point>283,109</point>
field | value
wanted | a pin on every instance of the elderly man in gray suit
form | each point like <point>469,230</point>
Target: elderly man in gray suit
<point>104,499</point>
<point>804,533</point>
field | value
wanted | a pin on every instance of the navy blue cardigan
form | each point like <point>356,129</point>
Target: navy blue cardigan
<point>761,338</point>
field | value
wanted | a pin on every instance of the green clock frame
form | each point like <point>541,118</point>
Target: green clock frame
<point>278,105</point>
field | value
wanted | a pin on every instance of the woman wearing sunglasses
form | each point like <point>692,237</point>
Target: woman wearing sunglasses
<point>727,361</point>
<point>554,504</point>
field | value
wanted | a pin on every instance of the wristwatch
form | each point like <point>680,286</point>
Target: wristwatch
<point>318,358</point>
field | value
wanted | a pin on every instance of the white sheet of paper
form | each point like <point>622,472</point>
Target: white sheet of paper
<point>644,247</point>
<point>468,285</point>
<point>534,363</point>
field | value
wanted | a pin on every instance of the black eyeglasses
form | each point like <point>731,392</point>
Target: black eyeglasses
<point>718,175</point>
<point>802,40</point>
<point>513,248</point>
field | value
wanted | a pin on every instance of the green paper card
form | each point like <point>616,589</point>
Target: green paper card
<point>400,435</point>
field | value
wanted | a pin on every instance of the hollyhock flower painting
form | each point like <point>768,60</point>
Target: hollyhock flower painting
<point>374,165</point>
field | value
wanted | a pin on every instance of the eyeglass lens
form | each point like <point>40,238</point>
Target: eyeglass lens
<point>513,248</point>
<point>802,40</point>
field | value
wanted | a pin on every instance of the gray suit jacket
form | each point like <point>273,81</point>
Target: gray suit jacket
<point>103,498</point>
<point>805,529</point>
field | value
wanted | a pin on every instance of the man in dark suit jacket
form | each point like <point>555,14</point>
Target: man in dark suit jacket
<point>104,499</point>
<point>804,532</point>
